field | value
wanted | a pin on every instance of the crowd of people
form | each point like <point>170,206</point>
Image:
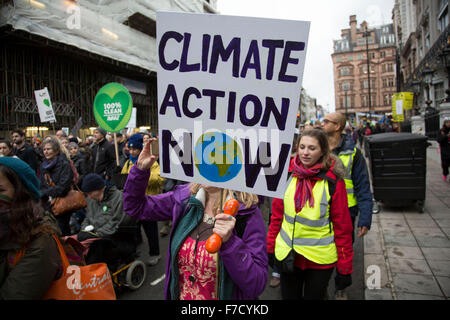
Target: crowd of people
<point>47,169</point>
<point>311,230</point>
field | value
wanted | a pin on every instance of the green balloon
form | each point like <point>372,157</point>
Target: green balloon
<point>113,107</point>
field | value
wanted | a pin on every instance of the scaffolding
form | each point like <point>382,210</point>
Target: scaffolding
<point>72,77</point>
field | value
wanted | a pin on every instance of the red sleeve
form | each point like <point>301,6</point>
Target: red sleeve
<point>275,223</point>
<point>342,226</point>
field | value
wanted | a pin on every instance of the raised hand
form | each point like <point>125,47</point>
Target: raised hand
<point>146,158</point>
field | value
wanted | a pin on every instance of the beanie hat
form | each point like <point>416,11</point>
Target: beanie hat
<point>102,131</point>
<point>25,173</point>
<point>72,145</point>
<point>136,141</point>
<point>73,139</point>
<point>92,182</point>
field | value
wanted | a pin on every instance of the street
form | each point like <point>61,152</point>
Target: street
<point>414,264</point>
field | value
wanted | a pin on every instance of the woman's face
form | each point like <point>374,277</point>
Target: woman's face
<point>65,143</point>
<point>73,151</point>
<point>6,191</point>
<point>447,123</point>
<point>48,151</point>
<point>4,150</point>
<point>309,151</point>
<point>146,138</point>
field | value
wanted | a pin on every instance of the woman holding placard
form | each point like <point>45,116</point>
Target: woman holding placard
<point>237,271</point>
<point>311,231</point>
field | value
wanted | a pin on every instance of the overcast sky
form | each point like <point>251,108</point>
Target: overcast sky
<point>327,18</point>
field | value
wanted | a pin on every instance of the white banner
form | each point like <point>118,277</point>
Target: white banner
<point>228,97</point>
<point>44,105</point>
<point>132,123</point>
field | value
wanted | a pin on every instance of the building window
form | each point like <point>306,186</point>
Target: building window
<point>346,85</point>
<point>345,71</point>
<point>364,101</point>
<point>364,84</point>
<point>443,15</point>
<point>387,99</point>
<point>382,54</point>
<point>391,82</point>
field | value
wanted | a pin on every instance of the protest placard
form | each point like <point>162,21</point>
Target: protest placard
<point>44,104</point>
<point>228,97</point>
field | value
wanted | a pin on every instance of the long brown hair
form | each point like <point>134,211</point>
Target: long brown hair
<point>27,214</point>
<point>322,139</point>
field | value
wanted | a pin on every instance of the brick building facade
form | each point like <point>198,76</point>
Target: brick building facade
<point>352,81</point>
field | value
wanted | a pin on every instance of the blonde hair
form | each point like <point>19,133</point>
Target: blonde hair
<point>248,199</point>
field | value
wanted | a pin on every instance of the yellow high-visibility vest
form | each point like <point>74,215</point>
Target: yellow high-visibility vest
<point>309,232</point>
<point>347,160</point>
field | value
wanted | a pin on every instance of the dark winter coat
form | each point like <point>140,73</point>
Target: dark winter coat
<point>27,154</point>
<point>361,183</point>
<point>61,174</point>
<point>104,159</point>
<point>105,215</point>
<point>444,143</point>
<point>31,277</point>
<point>79,162</point>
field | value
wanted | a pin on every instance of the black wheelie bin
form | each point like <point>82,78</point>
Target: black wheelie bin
<point>398,166</point>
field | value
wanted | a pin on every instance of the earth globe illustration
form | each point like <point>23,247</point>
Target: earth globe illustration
<point>217,157</point>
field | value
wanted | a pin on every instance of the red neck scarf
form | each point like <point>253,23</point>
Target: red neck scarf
<point>303,191</point>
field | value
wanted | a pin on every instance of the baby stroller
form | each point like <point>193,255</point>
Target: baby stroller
<point>119,252</point>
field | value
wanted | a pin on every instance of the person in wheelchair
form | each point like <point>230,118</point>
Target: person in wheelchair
<point>107,231</point>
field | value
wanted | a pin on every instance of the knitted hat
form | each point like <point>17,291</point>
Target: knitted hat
<point>102,131</point>
<point>136,141</point>
<point>72,145</point>
<point>92,182</point>
<point>25,173</point>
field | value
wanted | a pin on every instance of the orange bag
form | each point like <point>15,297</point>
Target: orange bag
<point>91,282</point>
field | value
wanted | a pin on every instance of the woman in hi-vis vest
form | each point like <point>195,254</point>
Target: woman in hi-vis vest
<point>310,232</point>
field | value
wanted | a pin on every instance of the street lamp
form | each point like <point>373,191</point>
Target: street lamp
<point>427,75</point>
<point>415,86</point>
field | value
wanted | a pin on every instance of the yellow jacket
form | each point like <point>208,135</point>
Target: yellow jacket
<point>155,182</point>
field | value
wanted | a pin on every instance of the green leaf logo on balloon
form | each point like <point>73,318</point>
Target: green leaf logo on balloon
<point>112,107</point>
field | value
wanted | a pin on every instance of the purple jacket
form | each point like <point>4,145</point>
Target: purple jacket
<point>245,259</point>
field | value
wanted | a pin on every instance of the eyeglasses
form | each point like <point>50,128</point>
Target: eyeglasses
<point>326,121</point>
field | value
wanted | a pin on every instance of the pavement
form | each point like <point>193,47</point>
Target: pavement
<point>407,253</point>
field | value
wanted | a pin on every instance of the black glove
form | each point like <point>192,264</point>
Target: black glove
<point>342,281</point>
<point>271,257</point>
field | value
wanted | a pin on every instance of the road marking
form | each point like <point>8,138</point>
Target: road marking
<point>155,282</point>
